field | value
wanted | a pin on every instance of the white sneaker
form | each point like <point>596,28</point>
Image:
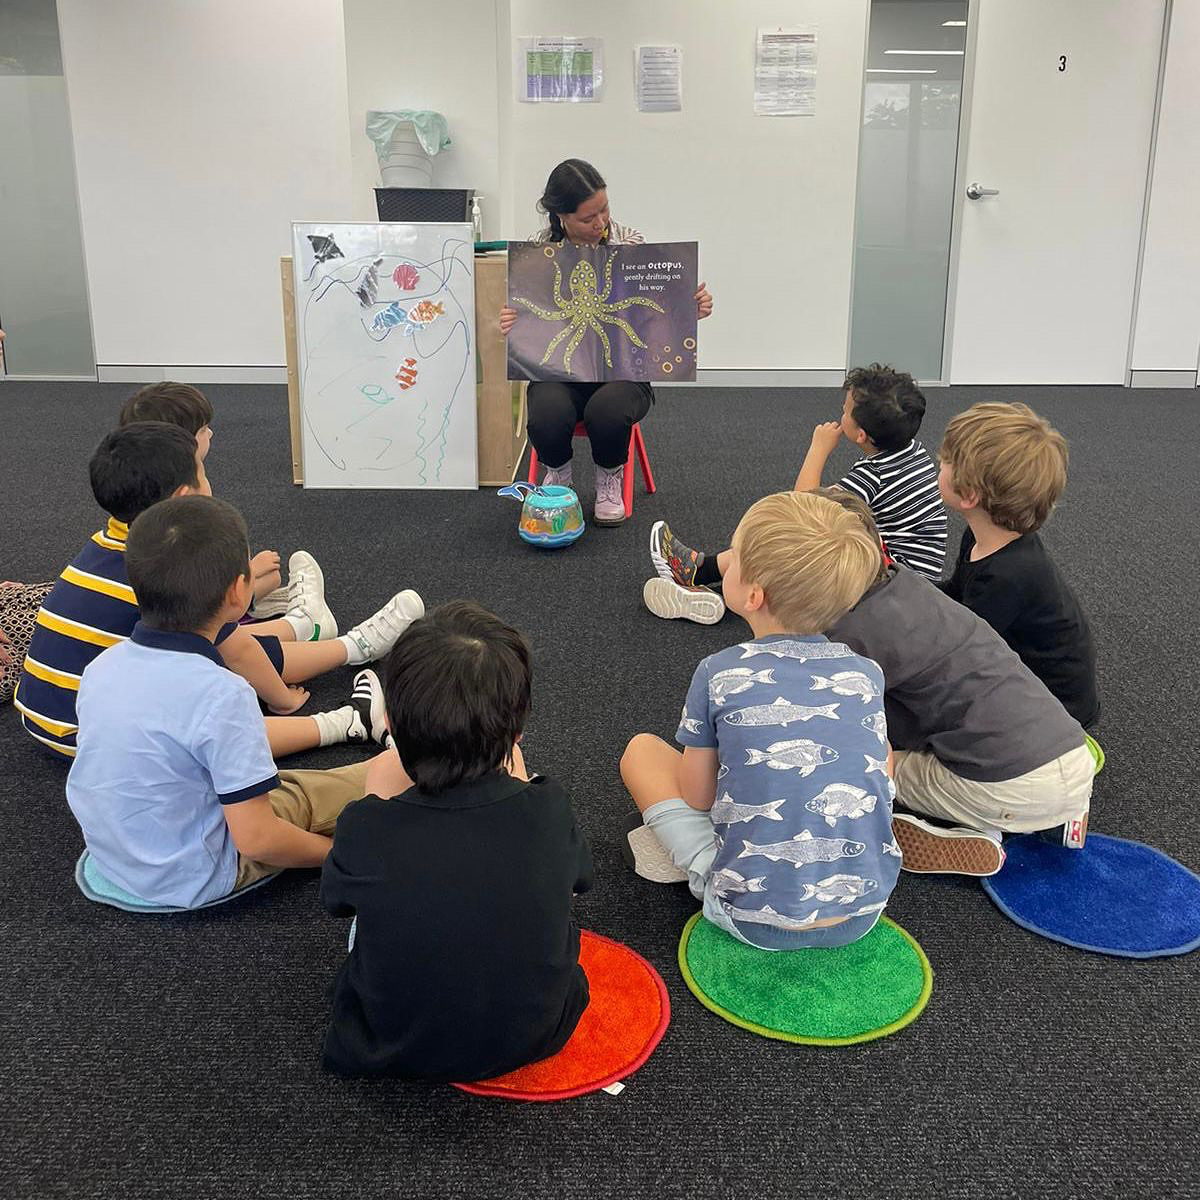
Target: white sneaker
<point>940,850</point>
<point>668,599</point>
<point>371,639</point>
<point>307,612</point>
<point>647,855</point>
<point>558,476</point>
<point>610,497</point>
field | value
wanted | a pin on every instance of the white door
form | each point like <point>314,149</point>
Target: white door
<point>1062,108</point>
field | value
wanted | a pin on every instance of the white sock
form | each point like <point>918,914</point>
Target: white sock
<point>356,655</point>
<point>338,724</point>
<point>302,623</point>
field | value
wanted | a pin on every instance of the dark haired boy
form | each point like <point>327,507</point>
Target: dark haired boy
<point>897,479</point>
<point>174,784</point>
<point>176,403</point>
<point>92,606</point>
<point>459,869</point>
<point>881,414</point>
<point>188,407</point>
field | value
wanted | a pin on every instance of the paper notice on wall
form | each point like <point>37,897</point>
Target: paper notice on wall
<point>785,73</point>
<point>659,75</point>
<point>559,69</point>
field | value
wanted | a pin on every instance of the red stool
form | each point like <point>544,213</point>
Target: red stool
<point>636,444</point>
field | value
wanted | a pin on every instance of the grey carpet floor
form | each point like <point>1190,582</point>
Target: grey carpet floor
<point>178,1056</point>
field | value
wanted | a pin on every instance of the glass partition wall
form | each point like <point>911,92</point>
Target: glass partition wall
<point>43,291</point>
<point>912,94</point>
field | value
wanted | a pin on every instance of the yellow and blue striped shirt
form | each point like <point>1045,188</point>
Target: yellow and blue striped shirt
<point>90,608</point>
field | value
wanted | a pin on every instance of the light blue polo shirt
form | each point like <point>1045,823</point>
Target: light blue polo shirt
<point>167,736</point>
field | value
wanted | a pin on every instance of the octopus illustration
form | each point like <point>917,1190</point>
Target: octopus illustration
<point>586,309</point>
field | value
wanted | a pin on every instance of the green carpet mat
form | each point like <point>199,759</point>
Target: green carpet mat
<point>821,997</point>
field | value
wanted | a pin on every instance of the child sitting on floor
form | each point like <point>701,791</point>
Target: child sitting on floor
<point>779,807</point>
<point>881,414</point>
<point>92,606</point>
<point>459,869</point>
<point>173,783</point>
<point>979,741</point>
<point>186,406</point>
<point>1004,469</point>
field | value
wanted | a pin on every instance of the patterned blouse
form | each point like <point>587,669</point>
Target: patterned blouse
<point>616,235</point>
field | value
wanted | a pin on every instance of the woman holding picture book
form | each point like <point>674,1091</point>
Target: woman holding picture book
<point>576,202</point>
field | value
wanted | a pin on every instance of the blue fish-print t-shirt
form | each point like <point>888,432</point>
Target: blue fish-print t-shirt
<point>803,814</point>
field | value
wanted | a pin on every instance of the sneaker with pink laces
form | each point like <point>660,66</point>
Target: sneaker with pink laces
<point>610,498</point>
<point>558,476</point>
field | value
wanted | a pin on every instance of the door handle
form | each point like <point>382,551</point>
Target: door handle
<point>975,191</point>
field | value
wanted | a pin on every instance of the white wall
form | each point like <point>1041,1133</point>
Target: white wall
<point>769,199</point>
<point>407,54</point>
<point>202,130</point>
<point>1167,333</point>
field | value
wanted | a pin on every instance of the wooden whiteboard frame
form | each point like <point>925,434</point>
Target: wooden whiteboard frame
<point>502,440</point>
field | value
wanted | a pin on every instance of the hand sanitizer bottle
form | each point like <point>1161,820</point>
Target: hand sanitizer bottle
<point>477,216</point>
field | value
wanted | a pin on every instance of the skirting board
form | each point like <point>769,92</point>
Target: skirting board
<point>1161,379</point>
<point>749,377</point>
<point>137,373</point>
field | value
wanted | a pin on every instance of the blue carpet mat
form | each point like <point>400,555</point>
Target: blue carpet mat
<point>98,887</point>
<point>1113,896</point>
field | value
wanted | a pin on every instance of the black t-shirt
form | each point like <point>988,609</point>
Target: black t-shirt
<point>1020,593</point>
<point>466,960</point>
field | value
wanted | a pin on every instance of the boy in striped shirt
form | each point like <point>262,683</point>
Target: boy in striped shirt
<point>92,607</point>
<point>897,479</point>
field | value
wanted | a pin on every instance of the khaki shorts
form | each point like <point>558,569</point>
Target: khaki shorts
<point>311,800</point>
<point>1051,795</point>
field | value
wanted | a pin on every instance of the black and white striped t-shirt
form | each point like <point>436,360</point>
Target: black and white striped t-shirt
<point>901,486</point>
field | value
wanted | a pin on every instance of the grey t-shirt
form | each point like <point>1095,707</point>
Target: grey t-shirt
<point>954,688</point>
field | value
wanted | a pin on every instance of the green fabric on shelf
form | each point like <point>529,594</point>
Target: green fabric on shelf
<point>821,997</point>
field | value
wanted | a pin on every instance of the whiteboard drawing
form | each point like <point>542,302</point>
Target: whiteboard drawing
<point>385,338</point>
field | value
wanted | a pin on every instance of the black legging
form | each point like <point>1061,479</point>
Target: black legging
<point>609,410</point>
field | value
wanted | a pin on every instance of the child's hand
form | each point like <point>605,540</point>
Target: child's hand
<point>297,699</point>
<point>826,436</point>
<point>507,317</point>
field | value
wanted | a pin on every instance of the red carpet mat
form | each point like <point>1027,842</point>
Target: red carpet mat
<point>628,1013</point>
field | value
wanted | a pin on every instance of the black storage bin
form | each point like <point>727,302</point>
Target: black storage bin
<point>424,204</point>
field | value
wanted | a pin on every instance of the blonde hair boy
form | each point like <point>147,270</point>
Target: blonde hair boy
<point>1012,462</point>
<point>810,557</point>
<point>776,732</point>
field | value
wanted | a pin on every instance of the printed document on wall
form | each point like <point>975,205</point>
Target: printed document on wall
<point>659,75</point>
<point>556,69</point>
<point>785,73</point>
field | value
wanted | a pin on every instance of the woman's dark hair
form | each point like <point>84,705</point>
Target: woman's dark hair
<point>887,405</point>
<point>141,464</point>
<point>457,689</point>
<point>176,403</point>
<point>571,183</point>
<point>182,556</point>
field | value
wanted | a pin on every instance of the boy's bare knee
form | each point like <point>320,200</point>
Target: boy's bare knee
<point>636,753</point>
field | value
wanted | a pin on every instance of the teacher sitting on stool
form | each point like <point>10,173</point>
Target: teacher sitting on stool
<point>576,202</point>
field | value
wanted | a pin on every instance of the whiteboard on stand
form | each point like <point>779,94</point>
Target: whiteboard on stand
<point>385,338</point>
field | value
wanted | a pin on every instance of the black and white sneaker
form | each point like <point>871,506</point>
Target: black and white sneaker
<point>368,702</point>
